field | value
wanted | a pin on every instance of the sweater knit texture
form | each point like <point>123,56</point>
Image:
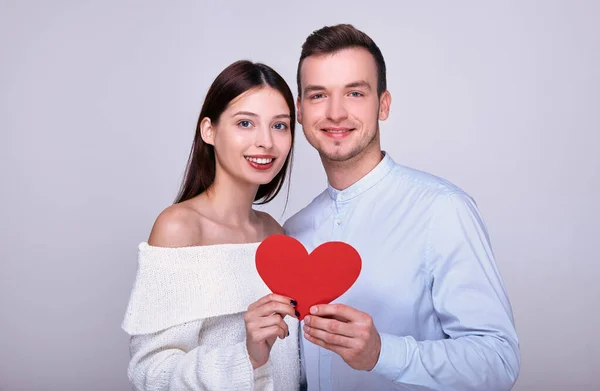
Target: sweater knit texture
<point>186,326</point>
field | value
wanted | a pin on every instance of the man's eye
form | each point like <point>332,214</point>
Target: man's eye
<point>316,96</point>
<point>356,93</point>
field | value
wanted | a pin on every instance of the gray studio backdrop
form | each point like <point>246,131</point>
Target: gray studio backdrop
<point>98,104</point>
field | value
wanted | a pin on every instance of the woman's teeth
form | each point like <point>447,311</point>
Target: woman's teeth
<point>261,160</point>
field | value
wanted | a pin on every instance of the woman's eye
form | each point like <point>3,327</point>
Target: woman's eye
<point>245,124</point>
<point>280,126</point>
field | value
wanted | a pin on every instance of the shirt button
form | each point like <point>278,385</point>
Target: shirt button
<point>338,221</point>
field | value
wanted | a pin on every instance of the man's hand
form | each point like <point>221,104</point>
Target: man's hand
<point>345,331</point>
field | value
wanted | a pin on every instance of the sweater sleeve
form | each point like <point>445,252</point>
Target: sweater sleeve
<point>172,360</point>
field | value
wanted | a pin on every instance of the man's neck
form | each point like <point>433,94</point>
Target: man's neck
<point>342,175</point>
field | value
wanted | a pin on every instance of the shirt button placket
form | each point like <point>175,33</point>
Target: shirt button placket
<point>338,221</point>
<point>325,355</point>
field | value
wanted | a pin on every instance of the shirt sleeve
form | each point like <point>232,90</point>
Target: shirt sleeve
<point>172,360</point>
<point>471,303</point>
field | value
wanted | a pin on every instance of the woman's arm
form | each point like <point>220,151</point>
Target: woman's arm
<point>172,360</point>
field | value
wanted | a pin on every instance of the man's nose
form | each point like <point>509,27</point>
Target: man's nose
<point>336,111</point>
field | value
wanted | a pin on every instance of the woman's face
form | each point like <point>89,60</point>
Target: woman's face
<point>252,137</point>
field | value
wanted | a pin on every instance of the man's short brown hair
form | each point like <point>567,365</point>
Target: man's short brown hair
<point>331,39</point>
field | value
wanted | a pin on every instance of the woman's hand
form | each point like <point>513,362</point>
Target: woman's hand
<point>264,323</point>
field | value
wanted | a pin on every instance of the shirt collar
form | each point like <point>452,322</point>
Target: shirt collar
<point>365,183</point>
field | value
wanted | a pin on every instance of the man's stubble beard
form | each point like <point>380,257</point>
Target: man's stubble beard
<point>351,155</point>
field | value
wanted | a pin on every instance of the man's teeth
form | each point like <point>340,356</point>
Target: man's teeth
<point>260,160</point>
<point>336,130</point>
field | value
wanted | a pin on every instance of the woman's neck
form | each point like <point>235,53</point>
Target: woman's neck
<point>232,200</point>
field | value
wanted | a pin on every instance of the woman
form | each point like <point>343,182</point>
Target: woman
<point>199,316</point>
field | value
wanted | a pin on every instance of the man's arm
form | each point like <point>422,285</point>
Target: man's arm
<point>468,295</point>
<point>482,351</point>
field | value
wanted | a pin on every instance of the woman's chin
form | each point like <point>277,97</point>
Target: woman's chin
<point>262,178</point>
<point>263,181</point>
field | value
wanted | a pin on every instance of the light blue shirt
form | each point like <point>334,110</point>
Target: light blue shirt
<point>429,281</point>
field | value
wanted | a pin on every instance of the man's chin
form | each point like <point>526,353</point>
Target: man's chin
<point>336,156</point>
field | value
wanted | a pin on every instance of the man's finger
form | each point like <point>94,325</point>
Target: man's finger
<point>340,312</point>
<point>338,318</point>
<point>329,338</point>
<point>331,325</point>
<point>334,348</point>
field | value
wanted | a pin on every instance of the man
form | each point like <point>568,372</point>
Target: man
<point>429,310</point>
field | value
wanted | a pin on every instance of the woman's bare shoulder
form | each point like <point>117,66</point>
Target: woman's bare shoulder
<point>179,225</point>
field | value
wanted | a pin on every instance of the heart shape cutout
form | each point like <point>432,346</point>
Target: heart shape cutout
<point>316,278</point>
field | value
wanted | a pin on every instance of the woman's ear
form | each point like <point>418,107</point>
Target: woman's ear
<point>207,131</point>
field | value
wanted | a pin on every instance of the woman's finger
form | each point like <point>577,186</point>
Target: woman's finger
<point>263,334</point>
<point>271,297</point>
<point>274,307</point>
<point>268,321</point>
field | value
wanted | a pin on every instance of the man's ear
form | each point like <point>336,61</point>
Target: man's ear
<point>298,111</point>
<point>207,131</point>
<point>385,101</point>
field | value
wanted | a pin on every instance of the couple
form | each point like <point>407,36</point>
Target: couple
<point>429,310</point>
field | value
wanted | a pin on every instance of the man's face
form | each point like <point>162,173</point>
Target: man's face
<point>339,108</point>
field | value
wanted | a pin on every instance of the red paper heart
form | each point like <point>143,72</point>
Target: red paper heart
<point>317,278</point>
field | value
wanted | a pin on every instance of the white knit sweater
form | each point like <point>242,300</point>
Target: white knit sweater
<point>185,318</point>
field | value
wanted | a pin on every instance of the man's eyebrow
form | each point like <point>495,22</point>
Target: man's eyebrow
<point>354,84</point>
<point>360,83</point>
<point>311,87</point>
